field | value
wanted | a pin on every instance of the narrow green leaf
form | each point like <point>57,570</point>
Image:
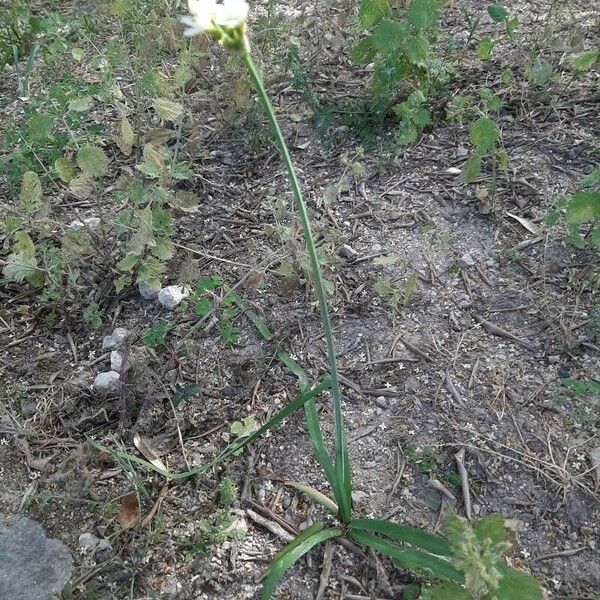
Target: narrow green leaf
<point>446,591</point>
<point>299,539</point>
<point>404,533</point>
<point>515,584</point>
<point>287,560</point>
<point>407,558</point>
<point>316,438</point>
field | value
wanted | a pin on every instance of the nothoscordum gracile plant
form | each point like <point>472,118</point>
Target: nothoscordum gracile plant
<point>469,561</point>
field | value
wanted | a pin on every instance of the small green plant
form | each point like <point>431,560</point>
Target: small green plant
<point>498,14</point>
<point>484,137</point>
<point>580,213</point>
<point>155,336</point>
<point>220,526</point>
<point>407,73</point>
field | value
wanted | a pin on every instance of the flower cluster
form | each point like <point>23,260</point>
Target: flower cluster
<point>225,21</point>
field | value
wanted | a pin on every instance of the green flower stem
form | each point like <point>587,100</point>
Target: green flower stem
<point>342,468</point>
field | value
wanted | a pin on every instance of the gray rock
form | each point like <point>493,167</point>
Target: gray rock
<point>106,383</point>
<point>117,362</point>
<point>32,566</point>
<point>88,542</point>
<point>147,292</point>
<point>171,296</point>
<point>115,339</point>
<point>466,261</point>
<point>348,252</point>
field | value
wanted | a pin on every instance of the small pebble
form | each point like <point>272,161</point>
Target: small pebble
<point>347,252</point>
<point>115,339</point>
<point>466,261</point>
<point>90,222</point>
<point>171,296</point>
<point>88,542</point>
<point>106,382</point>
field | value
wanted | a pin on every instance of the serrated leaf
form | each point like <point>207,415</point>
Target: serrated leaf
<point>23,245</point>
<point>82,104</point>
<point>423,14</point>
<point>185,393</point>
<point>181,171</point>
<point>92,161</point>
<point>40,126</point>
<point>163,249</point>
<point>484,49</point>
<point>592,179</point>
<point>417,49</point>
<point>186,202</point>
<point>150,272</point>
<point>167,110</point>
<point>82,186</point>
<point>364,52</point>
<point>388,36</point>
<point>472,168</point>
<point>128,263</point>
<point>65,168</point>
<point>491,532</point>
<point>126,138</point>
<point>483,134</point>
<point>497,12</point>
<point>30,196</point>
<point>583,61</point>
<point>540,72</point>
<point>583,207</point>
<point>372,11</point>
<point>19,268</point>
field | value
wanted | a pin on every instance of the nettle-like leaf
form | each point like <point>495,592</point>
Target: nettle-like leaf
<point>40,126</point>
<point>540,72</point>
<point>389,36</point>
<point>364,52</point>
<point>247,426</point>
<point>21,265</point>
<point>423,14</point>
<point>497,12</point>
<point>417,49</point>
<point>82,186</point>
<point>483,134</point>
<point>484,49</point>
<point>92,161</point>
<point>372,11</point>
<point>125,140</point>
<point>472,167</point>
<point>583,207</point>
<point>151,271</point>
<point>583,61</point>
<point>167,110</point>
<point>154,164</point>
<point>65,168</point>
<point>30,196</point>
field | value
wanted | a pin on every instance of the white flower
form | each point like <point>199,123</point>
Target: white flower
<point>210,16</point>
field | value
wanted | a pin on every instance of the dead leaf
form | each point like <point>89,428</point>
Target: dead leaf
<point>82,186</point>
<point>186,202</point>
<point>149,453</point>
<point>129,510</point>
<point>241,93</point>
<point>126,138</point>
<point>529,225</point>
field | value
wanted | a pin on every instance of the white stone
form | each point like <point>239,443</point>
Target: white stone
<point>88,542</point>
<point>90,222</point>
<point>106,382</point>
<point>115,339</point>
<point>116,362</point>
<point>147,292</point>
<point>171,296</point>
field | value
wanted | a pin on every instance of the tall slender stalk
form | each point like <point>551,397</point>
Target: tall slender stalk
<point>341,485</point>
